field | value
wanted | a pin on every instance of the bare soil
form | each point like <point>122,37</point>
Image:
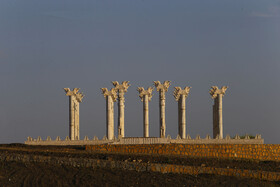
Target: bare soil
<point>43,174</point>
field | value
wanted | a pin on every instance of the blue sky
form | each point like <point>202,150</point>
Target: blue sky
<point>48,45</point>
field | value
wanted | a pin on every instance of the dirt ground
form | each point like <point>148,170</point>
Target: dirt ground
<point>43,174</point>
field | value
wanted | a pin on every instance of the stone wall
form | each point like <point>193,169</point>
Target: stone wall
<point>247,151</point>
<point>149,140</point>
<point>138,166</point>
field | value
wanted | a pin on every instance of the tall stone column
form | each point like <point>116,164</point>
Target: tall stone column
<point>74,116</point>
<point>180,96</point>
<point>146,96</point>
<point>122,89</point>
<point>111,97</point>
<point>218,94</point>
<point>162,88</point>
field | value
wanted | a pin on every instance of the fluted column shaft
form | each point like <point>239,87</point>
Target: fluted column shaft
<point>121,89</point>
<point>217,94</point>
<point>162,88</point>
<point>146,116</point>
<point>145,96</point>
<point>74,112</point>
<point>215,118</point>
<point>110,117</point>
<point>121,114</point>
<point>220,113</point>
<point>162,113</point>
<point>180,96</point>
<point>71,118</point>
<point>182,115</point>
<point>77,120</point>
<point>110,99</point>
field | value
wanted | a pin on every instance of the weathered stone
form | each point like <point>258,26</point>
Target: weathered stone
<point>74,108</point>
<point>162,88</point>
<point>188,137</point>
<point>247,137</point>
<point>121,89</point>
<point>258,136</point>
<point>115,138</point>
<point>180,96</point>
<point>228,137</point>
<point>146,96</point>
<point>237,137</point>
<point>208,137</point>
<point>218,137</point>
<point>111,97</point>
<point>217,94</point>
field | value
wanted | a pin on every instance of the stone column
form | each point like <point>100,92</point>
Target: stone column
<point>75,98</point>
<point>111,97</point>
<point>180,96</point>
<point>162,88</point>
<point>217,94</point>
<point>146,96</point>
<point>122,89</point>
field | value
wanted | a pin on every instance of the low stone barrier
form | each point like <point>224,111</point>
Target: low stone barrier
<point>138,166</point>
<point>149,140</point>
<point>243,151</point>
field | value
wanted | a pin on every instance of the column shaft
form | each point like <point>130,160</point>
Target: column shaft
<point>77,120</point>
<point>110,117</point>
<point>146,116</point>
<point>183,116</point>
<point>162,114</point>
<point>220,112</point>
<point>217,94</point>
<point>71,118</point>
<point>214,118</point>
<point>179,117</point>
<point>216,130</point>
<point>121,116</point>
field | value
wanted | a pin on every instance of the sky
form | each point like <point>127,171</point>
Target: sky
<point>46,46</point>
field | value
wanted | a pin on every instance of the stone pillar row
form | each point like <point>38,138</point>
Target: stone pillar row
<point>118,92</point>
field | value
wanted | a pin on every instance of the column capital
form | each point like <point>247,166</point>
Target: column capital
<point>112,93</point>
<point>178,91</point>
<point>143,92</point>
<point>215,91</point>
<point>79,96</point>
<point>163,86</point>
<point>121,87</point>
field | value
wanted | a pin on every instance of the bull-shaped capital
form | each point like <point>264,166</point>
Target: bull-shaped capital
<point>112,93</point>
<point>143,92</point>
<point>179,91</point>
<point>121,87</point>
<point>75,92</point>
<point>215,91</point>
<point>163,86</point>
